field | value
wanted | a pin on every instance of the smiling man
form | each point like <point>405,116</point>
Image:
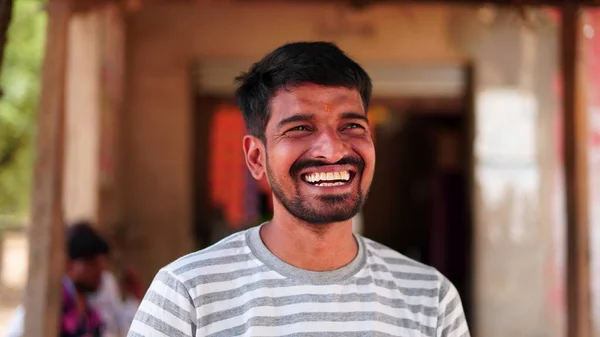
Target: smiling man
<point>304,273</point>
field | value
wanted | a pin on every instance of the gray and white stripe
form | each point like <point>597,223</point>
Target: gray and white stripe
<point>227,290</point>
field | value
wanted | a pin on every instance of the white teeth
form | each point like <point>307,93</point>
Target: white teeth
<point>339,183</point>
<point>324,177</point>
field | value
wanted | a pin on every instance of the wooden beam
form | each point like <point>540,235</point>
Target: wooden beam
<point>87,5</point>
<point>576,175</point>
<point>366,3</point>
<point>46,231</point>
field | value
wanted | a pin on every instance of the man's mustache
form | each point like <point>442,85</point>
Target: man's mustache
<point>302,164</point>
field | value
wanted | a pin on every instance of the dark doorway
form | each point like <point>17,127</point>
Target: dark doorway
<point>212,220</point>
<point>419,201</point>
<point>208,218</point>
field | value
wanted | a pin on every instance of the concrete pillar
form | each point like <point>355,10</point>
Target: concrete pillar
<point>82,109</point>
<point>518,250</point>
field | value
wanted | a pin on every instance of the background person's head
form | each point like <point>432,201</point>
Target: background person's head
<point>86,250</point>
<point>305,106</point>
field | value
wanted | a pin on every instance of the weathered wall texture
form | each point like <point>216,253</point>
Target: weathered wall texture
<point>518,206</point>
<point>591,57</point>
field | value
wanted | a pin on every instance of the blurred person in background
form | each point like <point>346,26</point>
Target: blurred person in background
<point>83,276</point>
<point>303,273</point>
<point>92,301</point>
<point>117,301</point>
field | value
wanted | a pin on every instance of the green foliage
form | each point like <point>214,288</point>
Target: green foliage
<point>20,83</point>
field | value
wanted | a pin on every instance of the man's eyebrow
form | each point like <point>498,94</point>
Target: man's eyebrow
<point>301,117</point>
<point>354,115</point>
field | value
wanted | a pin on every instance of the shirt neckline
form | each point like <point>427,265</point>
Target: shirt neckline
<point>261,251</point>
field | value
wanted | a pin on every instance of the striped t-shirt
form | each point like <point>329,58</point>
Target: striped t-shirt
<point>237,287</point>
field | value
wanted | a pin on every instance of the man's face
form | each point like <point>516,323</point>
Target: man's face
<point>319,156</point>
<point>86,273</point>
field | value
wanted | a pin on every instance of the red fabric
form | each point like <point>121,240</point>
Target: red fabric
<point>227,163</point>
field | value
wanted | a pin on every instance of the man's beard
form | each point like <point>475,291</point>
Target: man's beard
<point>334,207</point>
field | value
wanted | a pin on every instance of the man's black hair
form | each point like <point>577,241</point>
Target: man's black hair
<point>84,242</point>
<point>291,65</point>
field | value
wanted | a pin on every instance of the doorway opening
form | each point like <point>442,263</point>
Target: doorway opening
<point>419,203</point>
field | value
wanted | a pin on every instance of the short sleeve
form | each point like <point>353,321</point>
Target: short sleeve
<point>451,321</point>
<point>166,310</point>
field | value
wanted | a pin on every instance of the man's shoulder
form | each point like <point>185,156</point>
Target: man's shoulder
<point>209,260</point>
<point>401,266</point>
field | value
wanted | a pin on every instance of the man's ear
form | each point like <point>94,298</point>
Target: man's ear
<point>254,152</point>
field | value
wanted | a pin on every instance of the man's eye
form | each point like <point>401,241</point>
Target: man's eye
<point>354,126</point>
<point>299,128</point>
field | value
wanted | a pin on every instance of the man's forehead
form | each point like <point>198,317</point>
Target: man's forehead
<point>314,95</point>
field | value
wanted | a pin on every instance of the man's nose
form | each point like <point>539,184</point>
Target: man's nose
<point>329,147</point>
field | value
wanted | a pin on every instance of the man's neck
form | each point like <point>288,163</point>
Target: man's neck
<point>80,297</point>
<point>322,247</point>
<point>82,301</point>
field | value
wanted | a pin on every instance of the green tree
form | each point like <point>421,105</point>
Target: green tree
<point>20,83</point>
